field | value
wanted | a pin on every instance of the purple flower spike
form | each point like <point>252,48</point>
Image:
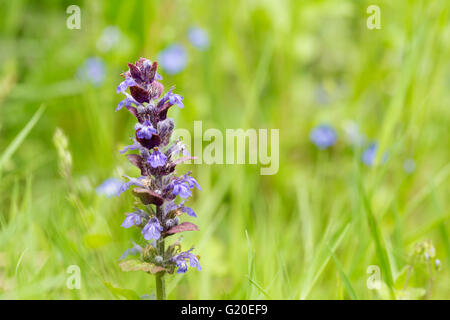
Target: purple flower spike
<point>132,219</point>
<point>152,229</point>
<point>157,159</point>
<point>158,212</point>
<point>145,130</point>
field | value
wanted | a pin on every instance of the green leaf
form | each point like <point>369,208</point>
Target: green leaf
<point>321,259</point>
<point>379,243</point>
<point>347,284</point>
<point>18,140</point>
<point>122,293</point>
<point>137,265</point>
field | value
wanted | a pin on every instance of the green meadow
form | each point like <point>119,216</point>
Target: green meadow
<point>325,226</point>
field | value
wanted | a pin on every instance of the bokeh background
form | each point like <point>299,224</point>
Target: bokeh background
<point>309,232</point>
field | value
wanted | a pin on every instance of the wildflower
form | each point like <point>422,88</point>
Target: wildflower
<point>144,130</point>
<point>181,189</point>
<point>198,37</point>
<point>134,146</point>
<point>152,229</point>
<point>158,186</point>
<point>323,136</point>
<point>409,165</point>
<point>354,136</point>
<point>181,259</point>
<point>133,182</point>
<point>109,38</point>
<point>191,181</point>
<point>173,59</point>
<point>173,98</point>
<point>132,219</point>
<point>132,251</point>
<point>109,187</point>
<point>93,71</point>
<point>128,82</point>
<point>157,159</point>
<point>369,154</point>
<point>127,102</point>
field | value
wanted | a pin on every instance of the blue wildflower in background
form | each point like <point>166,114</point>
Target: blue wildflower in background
<point>323,136</point>
<point>369,154</point>
<point>198,37</point>
<point>109,39</point>
<point>409,165</point>
<point>93,71</point>
<point>173,59</point>
<point>109,187</point>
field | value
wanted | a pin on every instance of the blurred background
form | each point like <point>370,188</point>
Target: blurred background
<point>362,189</point>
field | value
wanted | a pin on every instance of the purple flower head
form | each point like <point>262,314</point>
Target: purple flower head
<point>180,261</point>
<point>109,187</point>
<point>173,98</point>
<point>132,219</point>
<point>173,59</point>
<point>198,37</point>
<point>157,159</point>
<point>145,130</point>
<point>133,182</point>
<point>370,153</point>
<point>152,229</point>
<point>323,136</point>
<point>93,71</point>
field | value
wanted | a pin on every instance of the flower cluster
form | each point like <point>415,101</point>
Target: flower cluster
<point>157,187</point>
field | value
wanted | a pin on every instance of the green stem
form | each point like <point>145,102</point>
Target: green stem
<point>159,277</point>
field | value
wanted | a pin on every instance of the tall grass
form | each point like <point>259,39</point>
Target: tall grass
<point>310,231</point>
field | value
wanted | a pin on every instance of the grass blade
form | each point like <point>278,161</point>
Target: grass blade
<point>18,140</point>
